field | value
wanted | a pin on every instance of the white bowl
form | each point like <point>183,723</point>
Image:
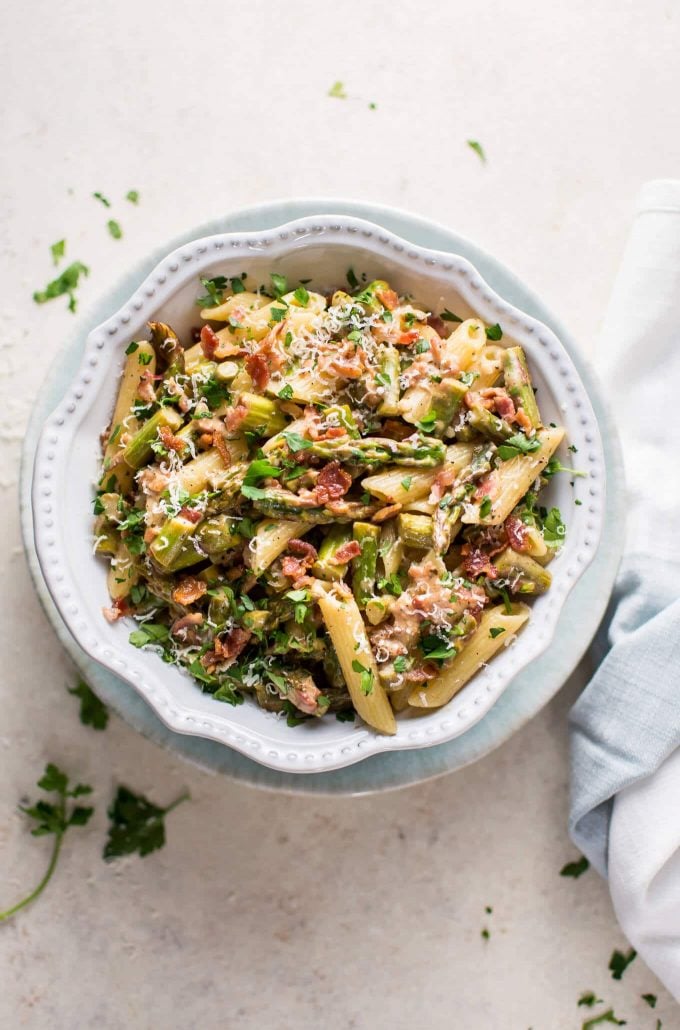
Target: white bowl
<point>67,459</point>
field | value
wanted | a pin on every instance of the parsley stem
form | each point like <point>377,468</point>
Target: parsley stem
<point>43,883</point>
<point>186,796</point>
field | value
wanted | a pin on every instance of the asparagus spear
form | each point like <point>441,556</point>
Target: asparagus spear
<point>139,450</point>
<point>165,342</point>
<point>388,379</point>
<point>481,419</point>
<point>415,530</point>
<point>423,452</point>
<point>262,415</point>
<point>325,567</point>
<point>169,548</point>
<point>446,401</point>
<point>283,504</point>
<point>364,565</point>
<point>526,576</point>
<point>518,383</point>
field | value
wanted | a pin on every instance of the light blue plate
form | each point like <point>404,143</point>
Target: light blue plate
<point>526,695</point>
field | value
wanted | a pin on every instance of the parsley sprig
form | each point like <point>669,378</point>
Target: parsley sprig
<point>92,711</point>
<point>53,818</point>
<point>137,825</point>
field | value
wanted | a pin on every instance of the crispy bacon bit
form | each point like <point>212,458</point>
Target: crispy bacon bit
<point>180,626</point>
<point>258,369</point>
<point>304,695</point>
<point>118,609</point>
<point>226,648</point>
<point>523,420</point>
<point>488,487</point>
<point>518,533</point>
<point>505,406</point>
<point>387,512</point>
<point>205,440</point>
<point>303,549</point>
<point>394,430</point>
<point>189,590</point>
<point>220,445</point>
<point>476,563</point>
<point>332,483</point>
<point>145,390</point>
<point>345,553</point>
<point>318,430</point>
<point>294,568</point>
<point>423,673</point>
<point>191,514</point>
<point>234,417</point>
<point>438,324</point>
<point>474,599</point>
<point>170,441</point>
<point>407,338</point>
<point>445,478</point>
<point>210,342</point>
<point>388,298</point>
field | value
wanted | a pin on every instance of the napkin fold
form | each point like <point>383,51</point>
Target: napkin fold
<point>625,726</point>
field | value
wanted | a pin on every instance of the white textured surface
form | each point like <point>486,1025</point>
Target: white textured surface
<point>290,913</point>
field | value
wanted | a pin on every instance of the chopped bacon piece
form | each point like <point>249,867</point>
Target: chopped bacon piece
<point>518,533</point>
<point>294,568</point>
<point>407,338</point>
<point>170,441</point>
<point>191,514</point>
<point>394,430</point>
<point>387,512</point>
<point>474,599</point>
<point>304,694</point>
<point>118,610</point>
<point>345,553</point>
<point>189,590</point>
<point>220,445</point>
<point>303,549</point>
<point>488,487</point>
<point>234,417</point>
<point>332,483</point>
<point>226,648</point>
<point>445,478</point>
<point>180,626</point>
<point>505,406</point>
<point>258,369</point>
<point>423,673</point>
<point>318,430</point>
<point>145,390</point>
<point>523,420</point>
<point>388,298</point>
<point>476,563</point>
<point>210,342</point>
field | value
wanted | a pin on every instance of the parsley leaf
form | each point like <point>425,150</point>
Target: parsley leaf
<point>588,998</point>
<point>66,283</point>
<point>58,251</point>
<point>555,465</point>
<point>278,314</point>
<point>296,442</point>
<point>366,682</point>
<point>352,279</point>
<point>132,196</point>
<point>406,483</point>
<point>53,818</point>
<point>302,296</point>
<point>280,284</point>
<point>293,715</point>
<point>478,149</point>
<point>115,229</point>
<point>495,631</point>
<point>148,633</point>
<point>494,332</point>
<point>554,529</point>
<point>448,316</point>
<point>337,90</point>
<point>485,507</point>
<point>132,347</point>
<point>619,962</point>
<point>651,1000</point>
<point>102,198</point>
<point>575,869</point>
<point>286,392</point>
<point>604,1017</point>
<point>518,444</point>
<point>137,825</point>
<point>346,716</point>
<point>92,711</point>
<point>214,290</point>
<point>427,424</point>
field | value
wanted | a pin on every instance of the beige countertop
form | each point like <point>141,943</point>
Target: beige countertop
<point>265,911</point>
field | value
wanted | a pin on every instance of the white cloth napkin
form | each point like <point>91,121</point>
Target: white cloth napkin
<point>626,725</point>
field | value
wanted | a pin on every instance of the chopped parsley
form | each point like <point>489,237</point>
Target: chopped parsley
<point>286,392</point>
<point>554,529</point>
<point>66,283</point>
<point>258,470</point>
<point>114,229</point>
<point>296,442</point>
<point>337,90</point>
<point>518,444</point>
<point>494,332</point>
<point>301,295</point>
<point>52,817</point>
<point>575,869</point>
<point>427,424</point>
<point>278,314</point>
<point>346,716</point>
<point>496,631</point>
<point>100,197</point>
<point>92,712</point>
<point>651,1000</point>
<point>485,934</point>
<point>132,347</point>
<point>148,633</point>
<point>58,250</point>
<point>619,962</point>
<point>422,346</point>
<point>136,824</point>
<point>132,196</point>
<point>352,279</point>
<point>279,284</point>
<point>589,999</point>
<point>214,290</point>
<point>406,483</point>
<point>145,359</point>
<point>366,682</point>
<point>555,465</point>
<point>485,507</point>
<point>604,1017</point>
<point>478,149</point>
<point>448,316</point>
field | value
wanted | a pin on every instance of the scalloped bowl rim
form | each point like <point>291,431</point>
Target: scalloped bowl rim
<point>356,743</point>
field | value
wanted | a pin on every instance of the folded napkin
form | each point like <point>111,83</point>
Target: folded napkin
<point>625,727</point>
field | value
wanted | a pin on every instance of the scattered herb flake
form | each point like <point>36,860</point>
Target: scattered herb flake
<point>102,199</point>
<point>478,149</point>
<point>52,818</point>
<point>485,934</point>
<point>494,332</point>
<point>279,283</point>
<point>132,196</point>
<point>651,1000</point>
<point>337,90</point>
<point>132,347</point>
<point>286,392</point>
<point>346,716</point>
<point>58,250</point>
<point>301,295</point>
<point>92,711</point>
<point>575,869</point>
<point>136,824</point>
<point>485,507</point>
<point>352,279</point>
<point>114,229</point>
<point>619,962</point>
<point>278,314</point>
<point>604,1017</point>
<point>66,283</point>
<point>296,442</point>
<point>496,631</point>
<point>448,316</point>
<point>589,999</point>
<point>366,683</point>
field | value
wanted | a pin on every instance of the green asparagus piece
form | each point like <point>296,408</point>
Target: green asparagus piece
<point>415,530</point>
<point>227,370</point>
<point>325,567</point>
<point>284,504</point>
<point>221,607</point>
<point>105,537</point>
<point>262,415</point>
<point>258,620</point>
<point>481,419</point>
<point>139,450</point>
<point>170,549</point>
<point>368,296</point>
<point>364,566</point>
<point>388,381</point>
<point>447,398</point>
<point>525,575</point>
<point>518,384</point>
<point>168,349</point>
<point>219,534</point>
<point>423,452</point>
<point>445,525</point>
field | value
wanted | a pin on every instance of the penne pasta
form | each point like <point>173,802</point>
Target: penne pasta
<point>271,538</point>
